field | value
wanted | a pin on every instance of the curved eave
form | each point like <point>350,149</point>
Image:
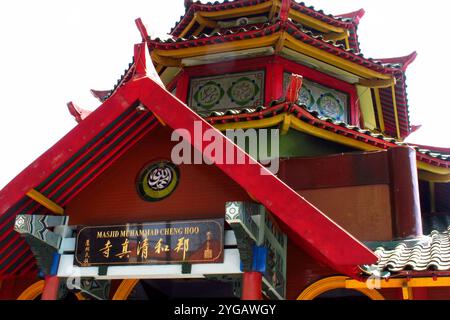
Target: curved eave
<point>286,35</point>
<point>301,120</point>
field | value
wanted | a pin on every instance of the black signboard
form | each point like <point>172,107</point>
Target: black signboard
<point>194,241</point>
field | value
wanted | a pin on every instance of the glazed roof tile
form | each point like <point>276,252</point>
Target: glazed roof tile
<point>431,253</point>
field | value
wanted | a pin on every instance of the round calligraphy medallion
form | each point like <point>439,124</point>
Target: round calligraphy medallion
<point>157,180</point>
<point>243,91</point>
<point>209,94</point>
<point>329,106</point>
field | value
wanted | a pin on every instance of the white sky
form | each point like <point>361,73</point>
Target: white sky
<point>52,52</point>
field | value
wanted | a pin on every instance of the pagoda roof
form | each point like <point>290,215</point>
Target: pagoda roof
<point>390,71</point>
<point>344,21</point>
<point>119,123</point>
<point>327,128</point>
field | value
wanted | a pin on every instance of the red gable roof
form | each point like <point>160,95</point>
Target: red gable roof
<point>97,141</point>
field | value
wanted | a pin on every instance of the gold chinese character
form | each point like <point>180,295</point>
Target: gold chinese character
<point>125,251</point>
<point>161,247</point>
<point>106,249</point>
<point>208,254</point>
<point>182,245</point>
<point>142,249</point>
<point>87,243</point>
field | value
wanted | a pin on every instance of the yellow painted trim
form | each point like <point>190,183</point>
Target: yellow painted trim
<point>273,10</point>
<point>125,288</point>
<point>165,61</point>
<point>33,291</point>
<point>220,47</point>
<point>314,23</point>
<point>399,283</point>
<point>280,43</point>
<point>347,42</point>
<point>286,125</point>
<point>204,21</point>
<point>302,126</point>
<point>433,177</point>
<point>379,110</point>
<point>377,83</point>
<point>255,124</point>
<point>394,102</point>
<point>434,169</point>
<point>407,292</point>
<point>336,37</point>
<point>188,27</point>
<point>44,201</point>
<point>332,283</point>
<point>329,58</point>
<point>237,12</point>
<point>330,136</point>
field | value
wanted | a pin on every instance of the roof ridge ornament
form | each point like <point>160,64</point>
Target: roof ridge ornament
<point>293,89</point>
<point>142,59</point>
<point>405,61</point>
<point>77,112</point>
<point>355,15</point>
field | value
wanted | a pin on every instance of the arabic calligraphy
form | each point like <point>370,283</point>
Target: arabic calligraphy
<point>157,181</point>
<point>160,178</point>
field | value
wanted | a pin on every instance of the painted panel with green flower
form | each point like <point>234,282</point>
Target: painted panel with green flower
<point>230,91</point>
<point>327,102</point>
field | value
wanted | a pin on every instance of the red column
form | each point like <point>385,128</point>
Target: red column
<point>406,214</point>
<point>50,288</point>
<point>274,81</point>
<point>182,91</point>
<point>252,286</point>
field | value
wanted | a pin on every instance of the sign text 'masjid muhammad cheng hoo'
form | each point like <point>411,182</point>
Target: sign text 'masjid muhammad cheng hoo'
<point>193,241</point>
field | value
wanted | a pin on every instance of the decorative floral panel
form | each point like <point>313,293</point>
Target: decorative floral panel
<point>230,91</point>
<point>327,102</point>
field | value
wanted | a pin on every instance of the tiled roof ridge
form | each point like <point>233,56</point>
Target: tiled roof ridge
<point>343,21</point>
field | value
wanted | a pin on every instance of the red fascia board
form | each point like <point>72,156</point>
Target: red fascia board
<point>64,149</point>
<point>305,224</point>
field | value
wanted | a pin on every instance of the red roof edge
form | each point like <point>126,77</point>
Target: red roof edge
<point>78,113</point>
<point>100,94</point>
<point>355,15</point>
<point>305,225</point>
<point>405,61</point>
